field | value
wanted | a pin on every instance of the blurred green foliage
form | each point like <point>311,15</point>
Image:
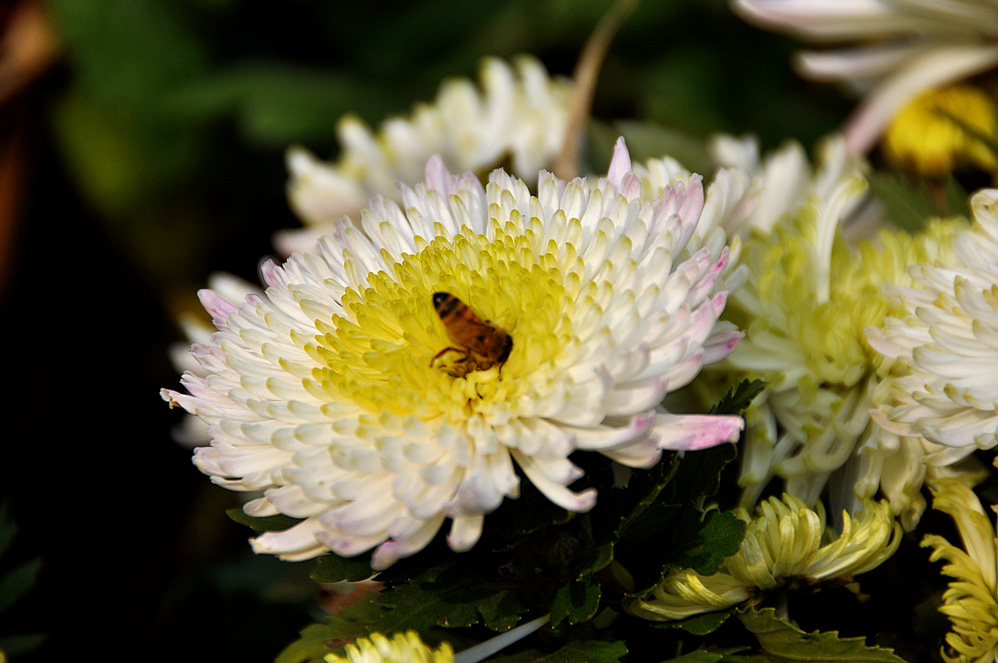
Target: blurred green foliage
<point>175,114</point>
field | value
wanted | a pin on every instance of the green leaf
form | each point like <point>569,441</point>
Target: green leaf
<point>333,568</point>
<point>699,625</point>
<point>738,399</point>
<point>576,601</point>
<point>7,529</point>
<point>784,642</point>
<point>596,559</point>
<point>277,103</point>
<point>15,645</point>
<point>576,652</point>
<point>727,655</point>
<point>719,537</point>
<point>128,51</point>
<point>449,595</point>
<point>956,201</point>
<point>268,524</point>
<point>909,206</point>
<point>317,640</point>
<point>16,584</point>
<point>668,533</point>
<point>652,141</point>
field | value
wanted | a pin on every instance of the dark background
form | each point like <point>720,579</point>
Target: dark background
<point>149,154</point>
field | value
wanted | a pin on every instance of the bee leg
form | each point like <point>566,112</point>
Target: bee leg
<point>445,351</point>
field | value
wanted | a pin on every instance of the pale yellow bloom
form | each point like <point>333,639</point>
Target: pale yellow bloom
<point>971,601</point>
<point>810,297</point>
<point>786,542</point>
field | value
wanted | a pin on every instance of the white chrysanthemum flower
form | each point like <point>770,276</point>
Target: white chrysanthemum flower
<point>786,542</point>
<point>192,431</point>
<point>806,306</point>
<point>344,397</point>
<point>405,647</point>
<point>749,195</point>
<point>902,47</point>
<point>971,601</point>
<point>784,181</point>
<point>947,345</point>
<point>517,116</point>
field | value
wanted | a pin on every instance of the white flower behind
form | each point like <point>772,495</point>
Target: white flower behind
<point>947,345</point>
<point>329,394</point>
<point>894,49</point>
<point>517,114</point>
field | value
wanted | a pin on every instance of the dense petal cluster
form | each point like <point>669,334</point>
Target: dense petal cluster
<point>786,541</point>
<point>971,601</point>
<point>898,48</point>
<point>806,306</point>
<point>342,394</point>
<point>518,115</point>
<point>947,344</point>
<point>401,648</point>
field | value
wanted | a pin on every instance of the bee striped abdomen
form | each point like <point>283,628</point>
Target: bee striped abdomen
<point>483,344</point>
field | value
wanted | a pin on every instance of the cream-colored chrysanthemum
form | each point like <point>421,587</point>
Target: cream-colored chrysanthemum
<point>947,345</point>
<point>805,308</point>
<point>344,397</point>
<point>517,118</point>
<point>405,647</point>
<point>899,48</point>
<point>786,542</point>
<point>971,601</point>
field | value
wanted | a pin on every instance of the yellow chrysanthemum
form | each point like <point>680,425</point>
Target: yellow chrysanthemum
<point>942,129</point>
<point>401,648</point>
<point>971,601</point>
<point>786,542</point>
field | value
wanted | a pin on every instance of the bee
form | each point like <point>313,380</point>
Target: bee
<point>482,344</point>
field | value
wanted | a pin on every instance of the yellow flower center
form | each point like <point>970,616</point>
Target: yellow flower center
<point>829,331</point>
<point>940,129</point>
<point>388,352</point>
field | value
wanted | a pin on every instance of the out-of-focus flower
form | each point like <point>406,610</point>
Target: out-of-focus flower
<point>971,601</point>
<point>927,137</point>
<point>946,345</point>
<point>899,48</point>
<point>343,395</point>
<point>519,117</point>
<point>750,194</point>
<point>405,647</point>
<point>786,542</point>
<point>784,181</point>
<point>805,308</point>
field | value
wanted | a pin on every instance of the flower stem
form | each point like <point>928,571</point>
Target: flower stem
<point>483,650</point>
